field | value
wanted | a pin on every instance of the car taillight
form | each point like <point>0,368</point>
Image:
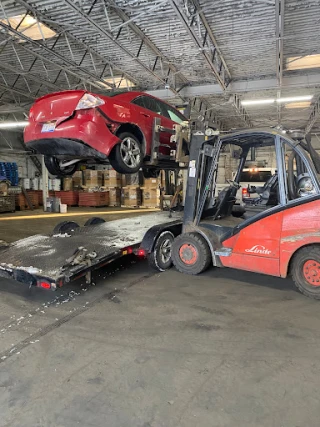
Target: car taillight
<point>245,192</point>
<point>89,101</point>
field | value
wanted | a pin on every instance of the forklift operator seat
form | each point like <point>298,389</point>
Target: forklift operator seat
<point>266,192</point>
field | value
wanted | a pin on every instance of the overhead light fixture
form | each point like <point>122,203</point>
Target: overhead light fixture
<point>13,125</point>
<point>303,104</point>
<point>119,82</point>
<point>295,99</point>
<point>29,27</point>
<point>278,100</point>
<point>258,101</point>
<point>303,62</point>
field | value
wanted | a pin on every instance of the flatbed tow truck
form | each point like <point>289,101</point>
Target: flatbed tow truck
<point>277,234</point>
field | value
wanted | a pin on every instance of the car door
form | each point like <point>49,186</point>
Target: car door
<point>151,108</point>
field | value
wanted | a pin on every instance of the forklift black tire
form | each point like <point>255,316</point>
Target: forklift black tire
<point>191,253</point>
<point>65,227</point>
<point>305,270</point>
<point>160,258</point>
<point>94,221</point>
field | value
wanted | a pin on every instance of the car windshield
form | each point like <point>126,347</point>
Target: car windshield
<point>255,176</point>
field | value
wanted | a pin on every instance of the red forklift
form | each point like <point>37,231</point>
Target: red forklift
<point>277,233</point>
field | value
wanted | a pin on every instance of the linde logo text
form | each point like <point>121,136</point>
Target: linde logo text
<point>258,249</point>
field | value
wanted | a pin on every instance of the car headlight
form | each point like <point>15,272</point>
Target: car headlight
<point>89,101</point>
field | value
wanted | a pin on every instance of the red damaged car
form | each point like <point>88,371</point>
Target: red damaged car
<point>76,126</point>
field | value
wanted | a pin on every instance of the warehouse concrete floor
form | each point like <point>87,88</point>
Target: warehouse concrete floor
<point>145,349</point>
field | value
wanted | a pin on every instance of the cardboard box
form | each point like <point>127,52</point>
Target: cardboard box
<point>150,197</point>
<point>4,188</point>
<point>105,178</point>
<point>92,178</point>
<point>131,196</point>
<point>67,183</point>
<point>77,180</point>
<point>151,182</point>
<point>114,196</point>
<point>114,178</point>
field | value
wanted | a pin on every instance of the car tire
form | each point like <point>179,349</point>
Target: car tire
<point>65,227</point>
<point>151,173</point>
<point>127,156</point>
<point>305,270</point>
<point>191,253</point>
<point>52,164</point>
<point>160,258</point>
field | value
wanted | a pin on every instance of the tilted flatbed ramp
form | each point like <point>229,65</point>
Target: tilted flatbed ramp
<point>51,261</point>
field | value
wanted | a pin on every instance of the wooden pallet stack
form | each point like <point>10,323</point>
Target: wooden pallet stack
<point>94,199</point>
<point>131,196</point>
<point>151,193</point>
<point>69,198</point>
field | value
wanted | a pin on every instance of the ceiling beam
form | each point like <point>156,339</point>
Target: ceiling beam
<point>279,14</point>
<point>29,75</point>
<point>17,91</point>
<point>88,76</point>
<point>288,82</point>
<point>315,114</point>
<point>204,39</point>
<point>151,46</point>
<point>108,34</point>
<point>279,11</point>
<point>207,44</point>
<point>241,110</point>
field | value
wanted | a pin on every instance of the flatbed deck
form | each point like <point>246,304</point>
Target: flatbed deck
<point>50,261</point>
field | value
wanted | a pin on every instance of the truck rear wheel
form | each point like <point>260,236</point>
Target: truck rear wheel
<point>160,257</point>
<point>305,270</point>
<point>191,253</point>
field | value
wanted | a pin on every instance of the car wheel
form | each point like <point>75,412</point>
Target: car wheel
<point>53,166</point>
<point>151,173</point>
<point>190,253</point>
<point>305,270</point>
<point>126,157</point>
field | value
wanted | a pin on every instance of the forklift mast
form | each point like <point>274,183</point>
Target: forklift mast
<point>202,170</point>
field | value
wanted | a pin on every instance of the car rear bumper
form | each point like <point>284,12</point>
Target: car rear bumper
<point>84,135</point>
<point>65,149</point>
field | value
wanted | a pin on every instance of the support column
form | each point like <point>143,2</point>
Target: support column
<point>45,187</point>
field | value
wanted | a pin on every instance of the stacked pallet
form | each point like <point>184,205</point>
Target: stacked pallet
<point>21,201</point>
<point>131,196</point>
<point>7,203</point>
<point>69,198</point>
<point>151,193</point>
<point>95,199</point>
